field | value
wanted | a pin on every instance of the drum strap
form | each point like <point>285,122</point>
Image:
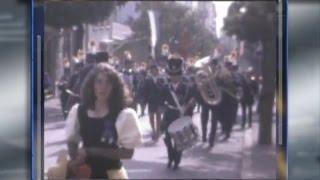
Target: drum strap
<point>175,98</point>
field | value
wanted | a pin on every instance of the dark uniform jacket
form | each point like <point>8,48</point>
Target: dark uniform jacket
<point>152,90</point>
<point>172,112</point>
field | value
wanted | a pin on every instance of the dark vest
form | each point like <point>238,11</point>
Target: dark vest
<point>99,132</point>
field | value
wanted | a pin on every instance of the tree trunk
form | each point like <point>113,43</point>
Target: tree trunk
<point>268,92</point>
<point>50,52</point>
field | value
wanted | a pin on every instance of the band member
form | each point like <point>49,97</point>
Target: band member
<point>250,90</point>
<point>165,51</point>
<point>176,97</point>
<point>228,107</point>
<point>48,86</point>
<point>62,86</point>
<point>73,87</point>
<point>93,59</point>
<point>81,71</point>
<point>205,111</point>
<point>141,99</point>
<point>152,90</point>
<point>90,59</point>
<point>108,130</point>
<point>237,84</point>
<point>190,81</point>
<point>130,78</point>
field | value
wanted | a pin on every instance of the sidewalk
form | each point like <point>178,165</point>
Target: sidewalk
<point>259,162</point>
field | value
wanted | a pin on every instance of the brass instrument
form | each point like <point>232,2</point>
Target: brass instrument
<point>212,79</point>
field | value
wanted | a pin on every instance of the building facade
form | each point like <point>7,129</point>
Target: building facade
<point>209,11</point>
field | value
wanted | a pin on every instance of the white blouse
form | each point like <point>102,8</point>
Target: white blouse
<point>127,126</point>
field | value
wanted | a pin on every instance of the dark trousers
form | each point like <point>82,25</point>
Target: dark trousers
<point>134,106</point>
<point>205,109</point>
<point>143,107</point>
<point>244,107</point>
<point>63,100</point>
<point>173,154</point>
<point>232,117</point>
<point>228,114</point>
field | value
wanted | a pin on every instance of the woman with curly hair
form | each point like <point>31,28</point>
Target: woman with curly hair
<point>108,129</point>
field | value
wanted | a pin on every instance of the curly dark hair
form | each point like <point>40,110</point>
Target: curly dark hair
<point>119,96</point>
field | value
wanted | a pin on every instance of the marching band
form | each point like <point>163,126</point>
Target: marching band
<point>171,94</point>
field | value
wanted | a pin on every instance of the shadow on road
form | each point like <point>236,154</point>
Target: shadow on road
<point>219,165</point>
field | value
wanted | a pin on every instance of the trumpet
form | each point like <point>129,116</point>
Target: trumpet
<point>212,79</point>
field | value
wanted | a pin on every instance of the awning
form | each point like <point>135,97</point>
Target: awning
<point>120,32</point>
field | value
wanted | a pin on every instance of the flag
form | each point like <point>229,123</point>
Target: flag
<point>154,31</point>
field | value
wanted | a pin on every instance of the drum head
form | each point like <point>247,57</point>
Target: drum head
<point>179,124</point>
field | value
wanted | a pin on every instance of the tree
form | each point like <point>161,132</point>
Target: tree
<point>67,14</point>
<point>179,27</point>
<point>257,22</point>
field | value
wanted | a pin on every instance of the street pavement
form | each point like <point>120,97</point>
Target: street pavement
<point>234,159</point>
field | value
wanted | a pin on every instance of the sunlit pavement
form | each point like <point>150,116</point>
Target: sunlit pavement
<point>233,159</point>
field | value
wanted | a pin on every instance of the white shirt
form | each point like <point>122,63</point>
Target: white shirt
<point>175,86</point>
<point>128,79</point>
<point>127,126</point>
<point>154,78</point>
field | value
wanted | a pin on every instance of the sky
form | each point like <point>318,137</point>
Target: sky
<point>222,10</point>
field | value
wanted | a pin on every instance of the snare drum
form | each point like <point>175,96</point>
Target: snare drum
<point>184,133</point>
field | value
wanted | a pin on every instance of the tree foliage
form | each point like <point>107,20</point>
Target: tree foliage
<point>179,27</point>
<point>65,14</point>
<point>257,22</point>
<point>252,21</point>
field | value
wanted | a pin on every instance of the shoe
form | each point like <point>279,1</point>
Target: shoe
<point>226,137</point>
<point>221,134</point>
<point>156,138</point>
<point>204,139</point>
<point>211,142</point>
<point>176,166</point>
<point>153,136</point>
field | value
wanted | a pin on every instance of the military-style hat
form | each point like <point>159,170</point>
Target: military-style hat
<point>174,66</point>
<point>102,57</point>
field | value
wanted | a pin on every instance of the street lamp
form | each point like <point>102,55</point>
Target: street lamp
<point>74,28</point>
<point>243,10</point>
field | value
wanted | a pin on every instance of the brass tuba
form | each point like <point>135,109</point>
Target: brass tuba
<point>212,79</point>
